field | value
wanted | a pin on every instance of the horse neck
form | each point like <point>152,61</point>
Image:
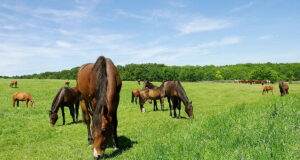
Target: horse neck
<point>182,95</point>
<point>56,101</point>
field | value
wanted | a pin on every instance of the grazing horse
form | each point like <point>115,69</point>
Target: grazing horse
<point>65,97</point>
<point>152,94</point>
<point>13,84</point>
<point>139,81</point>
<point>134,95</point>
<point>22,96</point>
<point>99,85</point>
<point>67,83</point>
<point>267,89</point>
<point>284,88</point>
<point>175,92</point>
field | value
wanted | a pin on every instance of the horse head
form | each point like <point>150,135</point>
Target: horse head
<point>53,117</point>
<point>189,109</point>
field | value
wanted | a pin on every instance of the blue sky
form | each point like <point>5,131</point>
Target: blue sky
<point>38,35</point>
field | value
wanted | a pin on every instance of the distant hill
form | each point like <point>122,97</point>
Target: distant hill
<point>160,72</point>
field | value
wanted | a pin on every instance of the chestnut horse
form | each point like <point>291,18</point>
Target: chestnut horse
<point>152,94</point>
<point>22,96</point>
<point>65,97</point>
<point>284,88</point>
<point>134,95</point>
<point>13,84</point>
<point>99,85</point>
<point>175,92</point>
<point>267,89</point>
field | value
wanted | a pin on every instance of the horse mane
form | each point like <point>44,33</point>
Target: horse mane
<point>57,99</point>
<point>181,93</point>
<point>101,85</point>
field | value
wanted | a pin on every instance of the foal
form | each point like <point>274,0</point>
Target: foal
<point>22,96</point>
<point>267,89</point>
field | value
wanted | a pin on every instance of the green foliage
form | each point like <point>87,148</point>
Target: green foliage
<point>160,72</point>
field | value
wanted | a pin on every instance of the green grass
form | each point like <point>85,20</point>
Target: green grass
<point>232,121</point>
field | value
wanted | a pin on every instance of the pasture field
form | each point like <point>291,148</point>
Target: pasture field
<point>232,121</point>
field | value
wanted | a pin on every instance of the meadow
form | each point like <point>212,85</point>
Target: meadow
<point>232,121</point>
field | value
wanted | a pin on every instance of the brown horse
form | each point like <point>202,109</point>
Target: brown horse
<point>267,89</point>
<point>152,94</point>
<point>99,85</point>
<point>284,88</point>
<point>13,84</point>
<point>65,97</point>
<point>149,85</point>
<point>134,95</point>
<point>22,96</point>
<point>67,83</point>
<point>176,93</point>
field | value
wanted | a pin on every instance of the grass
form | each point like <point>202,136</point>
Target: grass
<point>232,121</point>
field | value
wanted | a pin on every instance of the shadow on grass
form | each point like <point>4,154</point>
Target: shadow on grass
<point>71,123</point>
<point>125,144</point>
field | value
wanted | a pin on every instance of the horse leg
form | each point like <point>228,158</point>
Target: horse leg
<point>174,101</point>
<point>170,106</point>
<point>135,100</point>
<point>63,114</point>
<point>162,104</point>
<point>86,119</point>
<point>17,103</point>
<point>27,103</point>
<point>115,135</point>
<point>71,107</point>
<point>179,108</point>
<point>154,105</point>
<point>76,109</point>
<point>142,102</point>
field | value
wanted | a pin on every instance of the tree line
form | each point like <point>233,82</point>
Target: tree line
<point>161,72</point>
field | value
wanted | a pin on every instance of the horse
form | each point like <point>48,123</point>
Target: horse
<point>99,85</point>
<point>175,92</point>
<point>267,89</point>
<point>139,81</point>
<point>22,96</point>
<point>64,97</point>
<point>284,88</point>
<point>149,85</point>
<point>135,95</point>
<point>152,94</point>
<point>13,84</point>
<point>67,83</point>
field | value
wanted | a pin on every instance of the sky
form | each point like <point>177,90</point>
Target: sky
<point>52,35</point>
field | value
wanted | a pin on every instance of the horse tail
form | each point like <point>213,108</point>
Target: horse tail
<point>132,97</point>
<point>101,85</point>
<point>57,98</point>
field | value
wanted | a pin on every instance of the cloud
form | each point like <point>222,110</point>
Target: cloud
<point>203,24</point>
<point>245,6</point>
<point>223,42</point>
<point>63,44</point>
<point>265,37</point>
<point>178,4</point>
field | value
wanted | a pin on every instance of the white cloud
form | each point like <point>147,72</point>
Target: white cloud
<point>265,37</point>
<point>63,44</point>
<point>178,4</point>
<point>245,6</point>
<point>203,24</point>
<point>223,42</point>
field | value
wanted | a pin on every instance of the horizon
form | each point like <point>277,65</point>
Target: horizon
<point>50,36</point>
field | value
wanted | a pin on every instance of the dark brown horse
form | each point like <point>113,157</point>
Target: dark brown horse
<point>176,93</point>
<point>13,84</point>
<point>67,83</point>
<point>22,96</point>
<point>284,88</point>
<point>157,93</point>
<point>135,95</point>
<point>267,89</point>
<point>149,85</point>
<point>99,85</point>
<point>65,97</point>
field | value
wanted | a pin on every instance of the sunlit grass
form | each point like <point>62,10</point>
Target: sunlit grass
<point>232,121</point>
